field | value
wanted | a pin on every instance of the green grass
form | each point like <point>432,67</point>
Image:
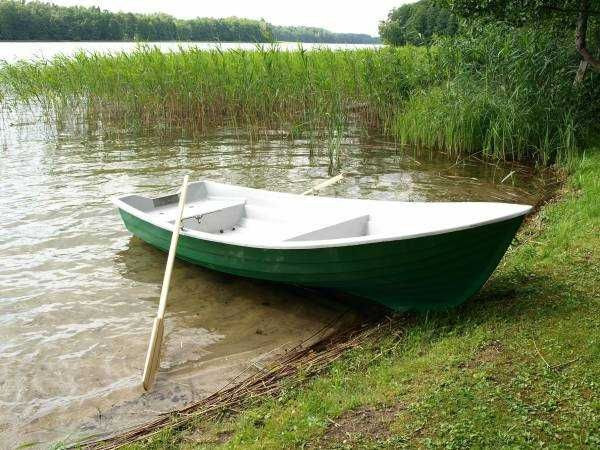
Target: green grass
<point>516,367</point>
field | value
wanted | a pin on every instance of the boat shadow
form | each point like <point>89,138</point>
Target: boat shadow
<point>509,295</point>
<point>513,297</point>
<point>142,263</point>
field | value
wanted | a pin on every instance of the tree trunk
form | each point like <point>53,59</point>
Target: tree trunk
<point>588,60</point>
<point>581,71</point>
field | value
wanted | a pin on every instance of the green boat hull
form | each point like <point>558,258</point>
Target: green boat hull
<point>423,273</point>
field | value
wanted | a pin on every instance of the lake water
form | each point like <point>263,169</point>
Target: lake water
<point>14,51</point>
<point>78,293</point>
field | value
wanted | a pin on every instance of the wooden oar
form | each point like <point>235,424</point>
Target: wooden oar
<point>158,328</point>
<point>324,184</point>
<point>153,355</point>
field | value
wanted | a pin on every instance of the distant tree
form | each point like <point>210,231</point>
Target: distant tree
<point>319,35</point>
<point>579,15</point>
<point>20,20</point>
<point>417,24</point>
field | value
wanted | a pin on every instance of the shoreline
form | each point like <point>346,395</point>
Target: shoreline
<point>407,386</point>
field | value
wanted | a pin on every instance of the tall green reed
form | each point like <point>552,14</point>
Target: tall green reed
<point>500,92</point>
<point>505,93</point>
<point>298,91</point>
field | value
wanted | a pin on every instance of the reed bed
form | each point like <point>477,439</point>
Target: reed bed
<point>308,358</point>
<point>255,89</point>
<point>506,93</point>
<point>499,92</point>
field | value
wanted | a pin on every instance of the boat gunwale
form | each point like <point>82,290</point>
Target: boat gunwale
<point>314,244</point>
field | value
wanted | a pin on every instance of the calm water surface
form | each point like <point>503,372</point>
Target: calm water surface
<point>78,293</point>
<point>13,51</point>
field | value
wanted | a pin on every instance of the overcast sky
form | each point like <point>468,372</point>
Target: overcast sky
<point>352,16</point>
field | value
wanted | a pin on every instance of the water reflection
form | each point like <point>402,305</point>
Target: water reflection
<point>78,293</point>
<point>15,51</point>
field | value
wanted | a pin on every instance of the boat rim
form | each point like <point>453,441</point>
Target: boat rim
<point>313,244</point>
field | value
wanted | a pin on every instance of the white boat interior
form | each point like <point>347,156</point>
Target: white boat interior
<point>259,218</point>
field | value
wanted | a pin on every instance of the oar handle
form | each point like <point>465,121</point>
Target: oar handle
<point>162,305</point>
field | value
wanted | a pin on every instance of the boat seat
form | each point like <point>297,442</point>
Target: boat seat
<point>213,215</point>
<point>211,205</point>
<point>353,227</point>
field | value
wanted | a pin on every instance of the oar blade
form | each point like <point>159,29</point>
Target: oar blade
<point>153,355</point>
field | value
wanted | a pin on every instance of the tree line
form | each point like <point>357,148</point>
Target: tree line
<point>320,35</point>
<point>417,24</point>
<point>578,18</point>
<point>20,20</point>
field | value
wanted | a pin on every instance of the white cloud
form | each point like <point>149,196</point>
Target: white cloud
<point>352,16</point>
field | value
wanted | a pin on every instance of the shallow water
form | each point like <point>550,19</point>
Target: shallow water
<point>78,293</point>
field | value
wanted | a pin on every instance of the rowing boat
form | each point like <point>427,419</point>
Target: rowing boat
<point>404,255</point>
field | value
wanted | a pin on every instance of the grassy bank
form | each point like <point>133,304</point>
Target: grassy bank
<point>507,94</point>
<point>516,367</point>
